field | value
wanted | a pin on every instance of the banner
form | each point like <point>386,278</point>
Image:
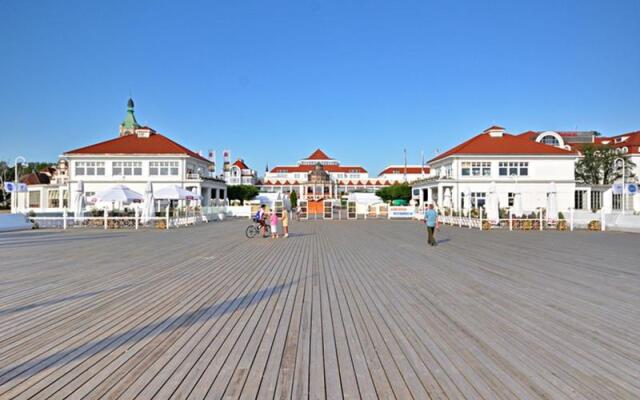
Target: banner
<point>401,212</point>
<point>12,187</point>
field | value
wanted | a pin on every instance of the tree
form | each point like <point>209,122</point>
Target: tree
<point>242,192</point>
<point>596,167</point>
<point>294,199</point>
<point>396,191</point>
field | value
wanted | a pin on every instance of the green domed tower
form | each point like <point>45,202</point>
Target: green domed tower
<point>129,125</point>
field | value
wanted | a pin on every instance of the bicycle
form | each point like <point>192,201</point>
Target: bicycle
<point>254,229</point>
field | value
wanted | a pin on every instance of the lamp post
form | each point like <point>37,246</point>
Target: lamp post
<point>15,186</point>
<point>621,160</point>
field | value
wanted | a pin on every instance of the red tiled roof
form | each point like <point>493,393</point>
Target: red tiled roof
<point>240,164</point>
<point>400,169</point>
<point>308,168</point>
<point>35,178</point>
<point>132,144</point>
<point>505,144</point>
<point>318,155</point>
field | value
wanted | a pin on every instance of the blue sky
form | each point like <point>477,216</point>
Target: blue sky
<point>273,80</point>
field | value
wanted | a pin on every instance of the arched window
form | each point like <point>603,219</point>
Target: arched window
<point>550,140</point>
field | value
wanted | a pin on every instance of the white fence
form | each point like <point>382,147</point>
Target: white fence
<point>173,219</point>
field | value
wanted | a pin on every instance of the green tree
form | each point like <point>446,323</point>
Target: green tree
<point>294,199</point>
<point>597,165</point>
<point>242,192</point>
<point>398,191</point>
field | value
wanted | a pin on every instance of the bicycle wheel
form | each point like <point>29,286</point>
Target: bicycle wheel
<point>251,231</point>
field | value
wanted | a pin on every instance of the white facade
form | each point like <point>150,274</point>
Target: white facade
<point>402,173</point>
<point>239,173</point>
<point>533,185</point>
<point>461,171</point>
<point>100,172</point>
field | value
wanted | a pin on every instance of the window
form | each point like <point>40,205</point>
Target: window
<point>53,199</point>
<point>510,198</point>
<point>126,168</point>
<point>476,168</point>
<point>34,199</point>
<point>65,199</point>
<point>89,168</point>
<point>617,201</point>
<point>163,168</point>
<point>579,199</point>
<point>550,140</point>
<point>511,168</point>
<point>478,199</point>
<point>596,200</point>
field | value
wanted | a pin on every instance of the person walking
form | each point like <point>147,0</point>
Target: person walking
<point>285,223</point>
<point>273,219</point>
<point>431,220</point>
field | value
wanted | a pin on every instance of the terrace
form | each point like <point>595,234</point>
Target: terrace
<point>341,309</point>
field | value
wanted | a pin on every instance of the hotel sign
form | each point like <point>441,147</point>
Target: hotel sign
<point>401,212</point>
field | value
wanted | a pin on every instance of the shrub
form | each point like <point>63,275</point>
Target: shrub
<point>594,225</point>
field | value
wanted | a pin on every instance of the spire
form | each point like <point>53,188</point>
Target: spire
<point>128,126</point>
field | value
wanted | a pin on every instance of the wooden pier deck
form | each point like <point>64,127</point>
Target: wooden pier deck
<point>357,309</point>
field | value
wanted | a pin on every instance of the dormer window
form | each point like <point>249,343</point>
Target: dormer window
<point>550,140</point>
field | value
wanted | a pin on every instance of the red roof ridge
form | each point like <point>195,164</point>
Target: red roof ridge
<point>484,143</point>
<point>156,144</point>
<point>318,155</point>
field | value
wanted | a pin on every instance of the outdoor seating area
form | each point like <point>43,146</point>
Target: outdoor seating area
<point>342,309</point>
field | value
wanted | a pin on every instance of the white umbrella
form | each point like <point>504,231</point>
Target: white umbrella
<point>78,201</point>
<point>516,210</point>
<point>447,198</point>
<point>467,201</point>
<point>493,213</point>
<point>175,193</point>
<point>119,193</point>
<point>552,203</point>
<point>149,209</point>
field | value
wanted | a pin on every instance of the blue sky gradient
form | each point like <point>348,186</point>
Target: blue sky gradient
<point>274,80</point>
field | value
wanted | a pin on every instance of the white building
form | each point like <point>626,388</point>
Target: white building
<point>404,173</point>
<point>319,177</point>
<point>509,163</point>
<point>239,173</point>
<point>138,156</point>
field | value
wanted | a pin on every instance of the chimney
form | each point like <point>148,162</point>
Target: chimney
<point>495,131</point>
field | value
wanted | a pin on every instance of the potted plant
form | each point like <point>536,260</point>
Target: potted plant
<point>594,225</point>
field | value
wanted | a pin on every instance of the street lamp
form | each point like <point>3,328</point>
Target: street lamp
<point>620,160</point>
<point>15,186</point>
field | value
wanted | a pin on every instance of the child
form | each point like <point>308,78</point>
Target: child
<point>285,223</point>
<point>274,224</point>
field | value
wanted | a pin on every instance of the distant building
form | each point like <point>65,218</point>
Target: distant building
<point>402,173</point>
<point>137,156</point>
<point>239,173</point>
<point>511,164</point>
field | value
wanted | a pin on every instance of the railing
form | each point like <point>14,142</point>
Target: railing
<point>170,219</point>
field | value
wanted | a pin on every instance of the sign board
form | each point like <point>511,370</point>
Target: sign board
<point>304,209</point>
<point>327,209</point>
<point>13,187</point>
<point>351,210</point>
<point>631,188</point>
<point>616,188</point>
<point>401,212</point>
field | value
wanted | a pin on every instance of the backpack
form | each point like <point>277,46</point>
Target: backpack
<point>256,218</point>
